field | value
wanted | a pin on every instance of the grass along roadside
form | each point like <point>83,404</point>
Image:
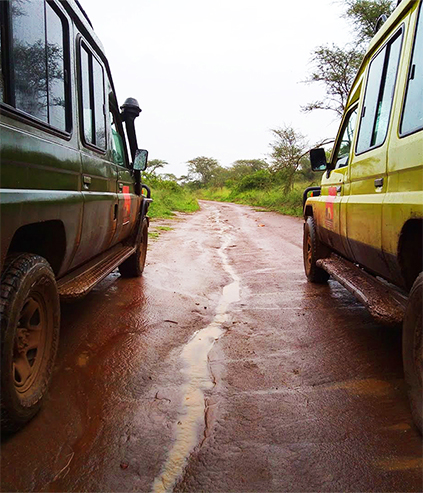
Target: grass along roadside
<point>272,199</point>
<point>170,198</point>
<point>170,202</point>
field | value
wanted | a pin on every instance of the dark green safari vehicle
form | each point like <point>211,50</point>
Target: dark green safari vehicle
<point>73,207</point>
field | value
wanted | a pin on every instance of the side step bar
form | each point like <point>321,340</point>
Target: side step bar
<point>385,303</point>
<point>79,282</point>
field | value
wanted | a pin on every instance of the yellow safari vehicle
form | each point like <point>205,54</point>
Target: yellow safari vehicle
<point>363,225</point>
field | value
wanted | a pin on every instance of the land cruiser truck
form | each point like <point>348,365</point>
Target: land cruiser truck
<point>73,207</point>
<point>363,225</point>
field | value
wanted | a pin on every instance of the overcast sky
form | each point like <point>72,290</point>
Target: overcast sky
<point>213,77</point>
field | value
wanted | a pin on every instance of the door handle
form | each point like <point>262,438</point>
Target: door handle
<point>338,189</point>
<point>87,181</point>
<point>379,182</point>
<point>120,187</point>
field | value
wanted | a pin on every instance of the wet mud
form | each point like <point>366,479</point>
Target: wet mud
<point>221,369</point>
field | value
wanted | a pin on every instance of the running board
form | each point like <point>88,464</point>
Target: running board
<point>384,302</point>
<point>79,282</point>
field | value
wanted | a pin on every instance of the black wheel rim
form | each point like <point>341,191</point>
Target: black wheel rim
<point>30,342</point>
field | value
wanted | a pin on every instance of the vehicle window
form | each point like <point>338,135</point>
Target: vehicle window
<point>345,143</point>
<point>86,102</point>
<point>92,82</point>
<point>56,70</point>
<point>117,143</point>
<point>29,54</point>
<point>379,96</point>
<point>412,118</point>
<point>98,85</point>
<point>1,61</point>
<point>38,55</point>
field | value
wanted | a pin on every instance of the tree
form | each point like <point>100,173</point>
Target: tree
<point>169,177</point>
<point>364,14</point>
<point>335,67</point>
<point>203,169</point>
<point>154,165</point>
<point>243,167</point>
<point>288,150</point>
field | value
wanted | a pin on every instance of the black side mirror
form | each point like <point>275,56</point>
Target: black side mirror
<point>141,159</point>
<point>318,159</point>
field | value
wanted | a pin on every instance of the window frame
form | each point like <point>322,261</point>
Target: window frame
<point>353,107</point>
<point>400,133</point>
<point>8,107</point>
<point>398,33</point>
<point>81,41</point>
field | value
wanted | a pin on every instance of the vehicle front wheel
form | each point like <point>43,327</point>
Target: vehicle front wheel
<point>133,266</point>
<point>412,350</point>
<point>312,251</point>
<point>30,323</point>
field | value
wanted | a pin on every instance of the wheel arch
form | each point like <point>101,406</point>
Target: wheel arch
<point>47,239</point>
<point>308,211</point>
<point>410,250</point>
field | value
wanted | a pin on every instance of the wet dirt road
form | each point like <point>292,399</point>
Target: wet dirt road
<point>221,369</point>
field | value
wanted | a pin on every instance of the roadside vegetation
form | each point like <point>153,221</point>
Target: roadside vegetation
<point>168,195</point>
<point>277,182</point>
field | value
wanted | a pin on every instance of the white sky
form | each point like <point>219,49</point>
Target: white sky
<point>213,77</point>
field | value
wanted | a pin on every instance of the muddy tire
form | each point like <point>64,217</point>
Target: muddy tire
<point>30,323</point>
<point>312,251</point>
<point>412,350</point>
<point>133,266</point>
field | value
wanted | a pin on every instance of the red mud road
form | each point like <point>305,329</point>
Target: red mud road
<point>221,369</point>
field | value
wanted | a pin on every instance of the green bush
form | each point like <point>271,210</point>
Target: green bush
<point>169,197</point>
<point>259,180</point>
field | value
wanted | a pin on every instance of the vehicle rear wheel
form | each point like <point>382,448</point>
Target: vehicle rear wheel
<point>412,350</point>
<point>312,251</point>
<point>30,323</point>
<point>133,266</point>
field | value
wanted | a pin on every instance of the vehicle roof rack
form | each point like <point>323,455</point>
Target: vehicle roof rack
<point>84,13</point>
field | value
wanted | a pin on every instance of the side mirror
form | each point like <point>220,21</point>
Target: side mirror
<point>140,161</point>
<point>318,159</point>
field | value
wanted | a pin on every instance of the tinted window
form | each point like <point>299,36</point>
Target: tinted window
<point>379,96</point>
<point>38,61</point>
<point>29,55</point>
<point>1,61</point>
<point>100,138</point>
<point>92,82</point>
<point>55,70</point>
<point>87,113</point>
<point>412,119</point>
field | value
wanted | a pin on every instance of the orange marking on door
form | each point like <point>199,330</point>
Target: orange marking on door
<point>126,204</point>
<point>329,207</point>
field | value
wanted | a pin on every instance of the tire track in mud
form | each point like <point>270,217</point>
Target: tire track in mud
<point>192,415</point>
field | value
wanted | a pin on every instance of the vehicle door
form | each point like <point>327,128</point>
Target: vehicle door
<point>368,173</point>
<point>99,174</point>
<point>335,186</point>
<point>128,201</point>
<point>404,197</point>
<point>40,160</point>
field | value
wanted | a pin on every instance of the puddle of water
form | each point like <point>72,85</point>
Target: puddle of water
<point>83,359</point>
<point>366,387</point>
<point>191,420</point>
<point>400,463</point>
